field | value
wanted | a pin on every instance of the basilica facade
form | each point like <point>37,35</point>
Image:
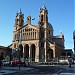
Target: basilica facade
<point>36,42</point>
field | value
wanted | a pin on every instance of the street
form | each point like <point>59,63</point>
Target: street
<point>41,70</point>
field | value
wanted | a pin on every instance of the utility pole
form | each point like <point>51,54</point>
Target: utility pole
<point>20,39</point>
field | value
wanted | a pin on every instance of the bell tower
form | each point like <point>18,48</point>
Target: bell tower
<point>43,25</point>
<point>43,16</point>
<point>29,19</point>
<point>19,21</point>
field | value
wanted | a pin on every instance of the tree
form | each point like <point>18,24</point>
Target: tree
<point>1,57</point>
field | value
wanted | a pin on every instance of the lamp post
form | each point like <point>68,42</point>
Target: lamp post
<point>19,57</point>
<point>20,38</point>
<point>13,54</point>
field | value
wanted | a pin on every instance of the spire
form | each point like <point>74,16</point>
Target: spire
<point>60,32</point>
<point>19,19</point>
<point>29,15</point>
<point>20,12</point>
<point>43,8</point>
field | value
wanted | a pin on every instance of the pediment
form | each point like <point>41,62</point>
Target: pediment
<point>30,27</point>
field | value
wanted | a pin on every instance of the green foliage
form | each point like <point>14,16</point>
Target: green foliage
<point>1,57</point>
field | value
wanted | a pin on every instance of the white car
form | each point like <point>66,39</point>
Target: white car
<point>4,62</point>
<point>63,61</point>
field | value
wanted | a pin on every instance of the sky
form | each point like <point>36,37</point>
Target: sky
<point>60,15</point>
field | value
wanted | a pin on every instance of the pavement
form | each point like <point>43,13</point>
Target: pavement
<point>9,70</point>
<point>40,70</point>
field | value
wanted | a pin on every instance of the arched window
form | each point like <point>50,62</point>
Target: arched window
<point>49,31</point>
<point>14,45</point>
<point>42,44</point>
<point>25,36</point>
<point>41,18</point>
<point>42,34</point>
<point>21,50</point>
<point>31,35</point>
<point>35,35</point>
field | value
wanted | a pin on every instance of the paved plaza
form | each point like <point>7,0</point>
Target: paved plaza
<point>39,70</point>
<point>9,70</point>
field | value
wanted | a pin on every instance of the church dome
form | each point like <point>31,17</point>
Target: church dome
<point>50,26</point>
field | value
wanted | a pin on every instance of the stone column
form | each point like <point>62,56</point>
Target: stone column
<point>54,51</point>
<point>45,51</point>
<point>45,45</point>
<point>34,34</point>
<point>37,35</point>
<point>37,53</point>
<point>23,54</point>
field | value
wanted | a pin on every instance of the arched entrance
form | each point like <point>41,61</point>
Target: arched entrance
<point>26,49</point>
<point>49,54</point>
<point>21,50</point>
<point>33,52</point>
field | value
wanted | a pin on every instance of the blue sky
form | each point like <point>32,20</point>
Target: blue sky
<point>60,12</point>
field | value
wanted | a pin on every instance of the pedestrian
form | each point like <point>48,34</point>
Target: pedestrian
<point>70,61</point>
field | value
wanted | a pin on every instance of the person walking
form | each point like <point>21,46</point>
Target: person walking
<point>70,61</point>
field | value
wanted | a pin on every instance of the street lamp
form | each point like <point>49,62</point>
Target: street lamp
<point>13,54</point>
<point>20,38</point>
<point>19,57</point>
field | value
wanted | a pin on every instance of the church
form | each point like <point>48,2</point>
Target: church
<point>36,42</point>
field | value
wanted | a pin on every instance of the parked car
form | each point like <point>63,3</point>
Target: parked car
<point>17,62</point>
<point>4,62</point>
<point>63,61</point>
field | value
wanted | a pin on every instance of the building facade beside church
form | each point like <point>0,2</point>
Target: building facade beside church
<point>74,40</point>
<point>36,42</point>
